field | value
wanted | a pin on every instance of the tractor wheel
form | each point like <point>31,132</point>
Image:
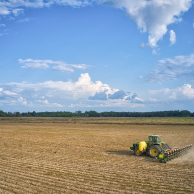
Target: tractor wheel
<point>137,152</point>
<point>161,148</point>
<point>154,151</point>
<point>167,146</point>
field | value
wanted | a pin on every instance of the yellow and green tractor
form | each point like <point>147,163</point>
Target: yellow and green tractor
<point>157,149</point>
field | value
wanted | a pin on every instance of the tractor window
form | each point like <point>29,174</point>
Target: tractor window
<point>158,139</point>
<point>154,139</point>
<point>150,138</point>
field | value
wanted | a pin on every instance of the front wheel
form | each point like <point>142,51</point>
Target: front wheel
<point>137,152</point>
<point>154,151</point>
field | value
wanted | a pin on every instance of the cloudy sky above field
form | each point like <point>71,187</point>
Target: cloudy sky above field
<point>103,55</point>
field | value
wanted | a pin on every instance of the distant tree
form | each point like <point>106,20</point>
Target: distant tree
<point>185,113</point>
<point>10,114</point>
<point>17,114</point>
<point>2,114</point>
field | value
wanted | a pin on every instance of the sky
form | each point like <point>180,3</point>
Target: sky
<point>102,55</point>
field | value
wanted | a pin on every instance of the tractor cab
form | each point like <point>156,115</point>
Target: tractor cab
<point>156,139</point>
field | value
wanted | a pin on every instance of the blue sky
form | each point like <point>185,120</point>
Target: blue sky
<point>103,55</point>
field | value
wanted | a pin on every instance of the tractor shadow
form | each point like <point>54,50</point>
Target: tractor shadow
<point>121,152</point>
<point>143,157</point>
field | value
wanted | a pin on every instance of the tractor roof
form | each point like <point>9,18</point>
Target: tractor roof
<point>155,135</point>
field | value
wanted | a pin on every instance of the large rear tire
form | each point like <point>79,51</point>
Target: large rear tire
<point>167,146</point>
<point>154,151</point>
<point>137,152</point>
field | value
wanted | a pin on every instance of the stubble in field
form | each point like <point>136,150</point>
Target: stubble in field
<point>90,158</point>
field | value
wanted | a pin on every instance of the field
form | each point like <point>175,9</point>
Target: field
<point>62,155</point>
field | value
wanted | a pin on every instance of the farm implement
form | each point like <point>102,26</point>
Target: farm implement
<point>159,150</point>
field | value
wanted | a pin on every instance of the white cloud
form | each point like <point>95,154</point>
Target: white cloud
<point>60,94</point>
<point>17,12</point>
<point>47,104</point>
<point>58,65</point>
<point>74,3</point>
<point>10,93</point>
<point>16,6</point>
<point>24,20</point>
<point>172,37</point>
<point>7,93</point>
<point>23,101</point>
<point>108,104</point>
<point>56,105</point>
<point>187,91</point>
<point>2,25</point>
<point>153,16</point>
<point>4,10</point>
<point>193,25</point>
<point>179,67</point>
<point>152,100</point>
<point>35,65</point>
<point>180,93</point>
<point>82,88</point>
<point>137,99</point>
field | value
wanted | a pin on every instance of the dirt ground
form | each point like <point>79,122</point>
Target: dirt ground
<point>91,158</point>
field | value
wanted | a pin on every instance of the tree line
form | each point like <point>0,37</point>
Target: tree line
<point>171,113</point>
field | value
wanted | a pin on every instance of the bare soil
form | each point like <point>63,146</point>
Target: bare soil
<point>91,158</point>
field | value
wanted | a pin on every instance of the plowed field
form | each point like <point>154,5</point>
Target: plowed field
<point>90,158</point>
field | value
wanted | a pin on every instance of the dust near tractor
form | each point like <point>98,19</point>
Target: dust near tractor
<point>159,150</point>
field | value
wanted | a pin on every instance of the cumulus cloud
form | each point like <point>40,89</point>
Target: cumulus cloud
<point>84,92</point>
<point>180,93</point>
<point>179,67</point>
<point>99,96</point>
<point>134,96</point>
<point>118,95</point>
<point>153,16</point>
<point>57,65</point>
<point>82,88</point>
<point>172,37</point>
<point>137,100</point>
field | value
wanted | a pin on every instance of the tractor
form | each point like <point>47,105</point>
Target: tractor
<point>157,149</point>
<point>153,147</point>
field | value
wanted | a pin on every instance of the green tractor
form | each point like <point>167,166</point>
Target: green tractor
<point>159,150</point>
<point>154,147</point>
